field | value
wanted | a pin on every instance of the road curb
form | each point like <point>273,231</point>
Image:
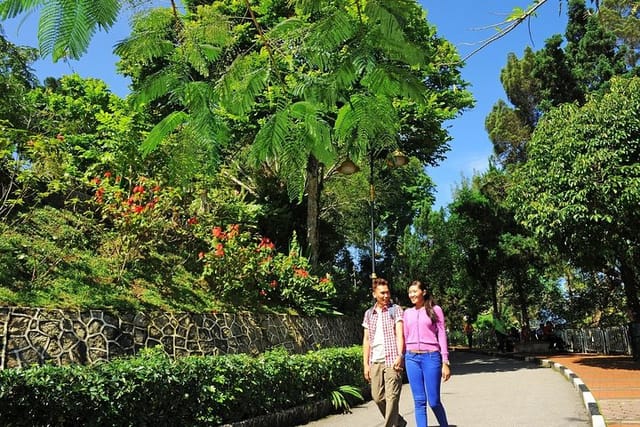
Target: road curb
<point>597,420</point>
<point>590,403</point>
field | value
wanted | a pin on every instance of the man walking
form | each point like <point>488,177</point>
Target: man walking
<point>382,349</point>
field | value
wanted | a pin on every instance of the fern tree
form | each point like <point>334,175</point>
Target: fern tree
<point>327,82</point>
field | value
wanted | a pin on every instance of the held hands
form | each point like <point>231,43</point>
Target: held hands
<point>446,372</point>
<point>398,365</point>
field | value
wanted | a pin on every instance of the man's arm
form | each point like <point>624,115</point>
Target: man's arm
<point>365,355</point>
<point>400,345</point>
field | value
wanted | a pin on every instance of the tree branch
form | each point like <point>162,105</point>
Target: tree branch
<point>512,22</point>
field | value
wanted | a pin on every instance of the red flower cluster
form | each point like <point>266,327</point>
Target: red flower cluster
<point>100,195</point>
<point>219,250</point>
<point>265,242</point>
<point>135,203</point>
<point>301,272</point>
<point>218,233</point>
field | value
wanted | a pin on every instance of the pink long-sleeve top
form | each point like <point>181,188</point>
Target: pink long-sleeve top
<point>423,334</point>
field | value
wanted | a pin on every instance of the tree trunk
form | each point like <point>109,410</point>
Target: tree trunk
<point>313,211</point>
<point>494,296</point>
<point>630,289</point>
<point>524,308</point>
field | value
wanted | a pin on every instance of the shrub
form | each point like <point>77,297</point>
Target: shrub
<point>246,270</point>
<point>151,389</point>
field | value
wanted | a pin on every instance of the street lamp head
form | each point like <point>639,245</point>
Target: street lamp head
<point>347,167</point>
<point>399,158</point>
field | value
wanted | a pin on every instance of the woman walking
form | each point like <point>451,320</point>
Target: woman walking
<point>426,353</point>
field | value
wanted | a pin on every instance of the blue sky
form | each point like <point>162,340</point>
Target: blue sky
<point>465,23</point>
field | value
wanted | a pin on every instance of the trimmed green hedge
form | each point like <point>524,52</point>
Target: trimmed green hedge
<point>151,389</point>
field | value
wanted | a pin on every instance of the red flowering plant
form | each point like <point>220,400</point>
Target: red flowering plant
<point>246,270</point>
<point>301,289</point>
<point>143,212</point>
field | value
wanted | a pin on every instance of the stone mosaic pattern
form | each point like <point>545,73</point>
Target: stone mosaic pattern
<point>37,336</point>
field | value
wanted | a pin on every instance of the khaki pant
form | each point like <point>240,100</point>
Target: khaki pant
<point>386,385</point>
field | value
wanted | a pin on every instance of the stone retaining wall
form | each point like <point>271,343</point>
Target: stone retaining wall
<point>37,336</point>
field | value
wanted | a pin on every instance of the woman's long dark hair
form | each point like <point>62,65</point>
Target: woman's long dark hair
<point>428,300</point>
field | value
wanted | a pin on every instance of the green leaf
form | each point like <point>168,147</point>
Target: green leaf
<point>169,124</point>
<point>12,8</point>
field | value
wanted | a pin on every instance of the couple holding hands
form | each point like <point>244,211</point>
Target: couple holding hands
<point>415,339</point>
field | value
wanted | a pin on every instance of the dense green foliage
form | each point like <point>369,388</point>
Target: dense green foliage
<point>151,389</point>
<point>90,223</point>
<point>567,179</point>
<point>542,234</point>
<point>320,82</point>
<point>227,128</point>
<point>245,122</point>
<point>585,203</point>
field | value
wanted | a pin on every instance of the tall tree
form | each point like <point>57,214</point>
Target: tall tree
<point>329,81</point>
<point>555,75</point>
<point>477,226</point>
<point>622,17</point>
<point>579,189</point>
<point>592,51</point>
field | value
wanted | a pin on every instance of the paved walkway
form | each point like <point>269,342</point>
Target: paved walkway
<point>486,391</point>
<point>614,382</point>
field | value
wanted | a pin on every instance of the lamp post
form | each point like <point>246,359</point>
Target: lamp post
<point>347,167</point>
<point>372,212</point>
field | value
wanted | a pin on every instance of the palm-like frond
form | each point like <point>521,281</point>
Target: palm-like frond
<point>339,397</point>
<point>204,37</point>
<point>308,6</point>
<point>13,8</point>
<point>243,82</point>
<point>287,29</point>
<point>365,123</point>
<point>392,80</point>
<point>200,99</point>
<point>104,12</point>
<point>66,26</point>
<point>385,20</point>
<point>168,81</point>
<point>316,131</point>
<point>270,139</point>
<point>151,37</point>
<point>199,96</point>
<point>166,126</point>
<point>328,34</point>
<point>65,29</point>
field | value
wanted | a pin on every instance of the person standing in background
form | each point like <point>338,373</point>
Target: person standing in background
<point>468,331</point>
<point>426,354</point>
<point>501,333</point>
<point>382,348</point>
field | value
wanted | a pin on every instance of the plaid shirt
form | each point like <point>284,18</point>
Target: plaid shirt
<point>391,314</point>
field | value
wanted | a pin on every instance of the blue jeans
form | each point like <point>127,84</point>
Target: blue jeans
<point>425,375</point>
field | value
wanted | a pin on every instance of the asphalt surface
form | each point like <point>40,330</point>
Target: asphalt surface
<point>487,391</point>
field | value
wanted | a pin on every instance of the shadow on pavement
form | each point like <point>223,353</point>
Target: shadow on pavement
<point>468,362</point>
